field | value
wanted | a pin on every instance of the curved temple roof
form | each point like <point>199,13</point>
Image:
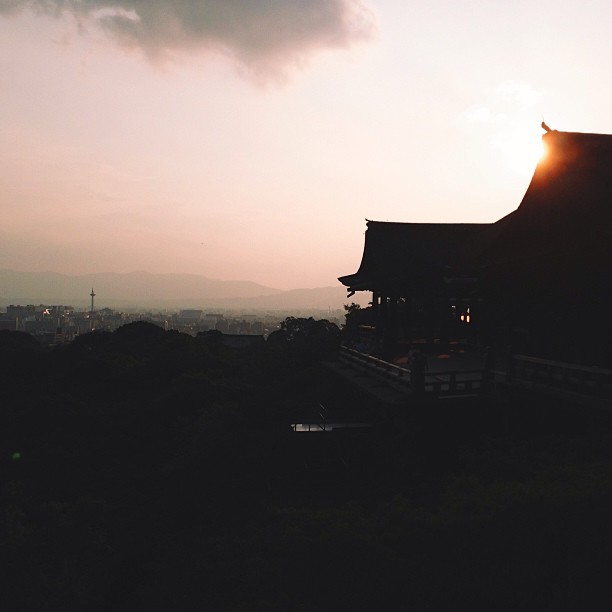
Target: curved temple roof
<point>566,214</point>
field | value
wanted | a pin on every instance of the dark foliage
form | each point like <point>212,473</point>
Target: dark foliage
<point>150,470</point>
<point>13,342</point>
<point>315,339</point>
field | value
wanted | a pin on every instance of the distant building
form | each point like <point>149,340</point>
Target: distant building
<point>189,316</point>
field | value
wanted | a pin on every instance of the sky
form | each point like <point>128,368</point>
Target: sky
<point>252,140</point>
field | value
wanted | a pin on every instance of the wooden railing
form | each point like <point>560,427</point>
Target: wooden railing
<point>322,422</point>
<point>534,372</point>
<point>393,371</point>
<point>462,383</point>
<point>590,381</point>
<point>443,384</point>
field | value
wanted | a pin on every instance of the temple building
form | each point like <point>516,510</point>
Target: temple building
<point>538,281</point>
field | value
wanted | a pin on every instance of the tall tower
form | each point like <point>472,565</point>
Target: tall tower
<point>93,295</point>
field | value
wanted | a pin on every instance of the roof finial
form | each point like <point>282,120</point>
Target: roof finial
<point>545,127</point>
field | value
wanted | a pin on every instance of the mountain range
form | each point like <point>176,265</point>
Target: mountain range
<point>149,290</point>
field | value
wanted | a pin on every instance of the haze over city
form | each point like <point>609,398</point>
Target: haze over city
<point>251,140</point>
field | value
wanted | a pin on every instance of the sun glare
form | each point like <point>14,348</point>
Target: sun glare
<point>520,153</point>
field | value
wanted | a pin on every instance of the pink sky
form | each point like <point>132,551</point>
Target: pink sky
<point>251,140</point>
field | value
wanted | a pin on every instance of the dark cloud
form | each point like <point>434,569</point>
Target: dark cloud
<point>265,36</point>
<point>10,6</point>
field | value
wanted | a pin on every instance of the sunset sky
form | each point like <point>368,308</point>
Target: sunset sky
<point>251,140</point>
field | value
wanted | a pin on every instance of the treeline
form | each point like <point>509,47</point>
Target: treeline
<point>151,470</point>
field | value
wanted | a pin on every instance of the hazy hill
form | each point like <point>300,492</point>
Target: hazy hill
<point>51,287</point>
<point>320,298</point>
<point>158,291</point>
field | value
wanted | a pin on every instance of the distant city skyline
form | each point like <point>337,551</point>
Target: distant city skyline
<point>162,290</point>
<point>248,141</point>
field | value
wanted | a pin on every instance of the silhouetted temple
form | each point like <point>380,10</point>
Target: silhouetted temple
<point>539,280</point>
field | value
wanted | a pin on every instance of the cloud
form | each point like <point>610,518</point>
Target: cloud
<point>10,6</point>
<point>508,102</point>
<point>266,37</point>
<point>521,93</point>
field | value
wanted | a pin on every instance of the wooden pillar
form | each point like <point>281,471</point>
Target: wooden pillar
<point>430,315</point>
<point>390,327</point>
<point>393,326</point>
<point>375,306</point>
<point>445,320</point>
<point>381,322</point>
<point>408,319</point>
